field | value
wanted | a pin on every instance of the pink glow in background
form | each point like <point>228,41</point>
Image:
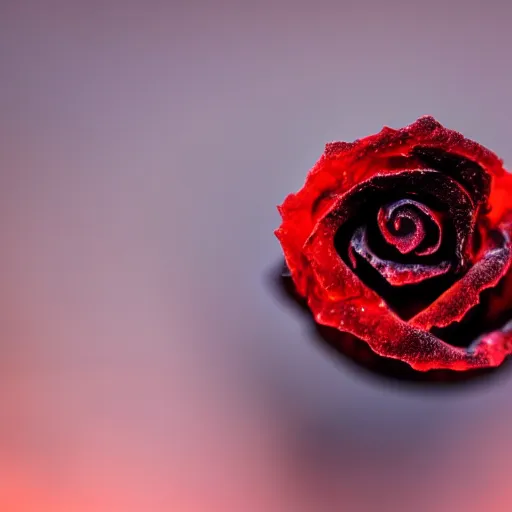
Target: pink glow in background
<point>145,363</point>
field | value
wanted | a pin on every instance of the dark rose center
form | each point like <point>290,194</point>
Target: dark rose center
<point>410,226</point>
<point>406,236</point>
<point>405,225</point>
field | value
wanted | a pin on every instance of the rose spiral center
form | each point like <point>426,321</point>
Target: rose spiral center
<point>410,226</point>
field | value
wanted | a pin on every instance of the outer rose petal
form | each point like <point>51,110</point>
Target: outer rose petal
<point>338,298</point>
<point>389,336</point>
<point>500,199</point>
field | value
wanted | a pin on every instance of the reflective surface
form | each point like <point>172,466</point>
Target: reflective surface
<point>147,361</point>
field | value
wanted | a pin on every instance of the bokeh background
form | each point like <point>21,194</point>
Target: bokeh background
<point>146,363</point>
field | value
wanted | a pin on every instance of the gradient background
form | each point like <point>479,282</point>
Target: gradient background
<point>146,365</point>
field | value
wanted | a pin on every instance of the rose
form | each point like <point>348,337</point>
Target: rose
<point>396,236</point>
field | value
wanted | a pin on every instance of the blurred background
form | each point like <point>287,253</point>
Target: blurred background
<point>146,362</point>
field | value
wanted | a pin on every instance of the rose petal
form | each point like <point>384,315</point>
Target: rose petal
<point>500,198</point>
<point>495,346</point>
<point>467,172</point>
<point>411,142</point>
<point>452,305</point>
<point>396,274</point>
<point>389,336</point>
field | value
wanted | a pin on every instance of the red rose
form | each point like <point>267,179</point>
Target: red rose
<point>396,236</point>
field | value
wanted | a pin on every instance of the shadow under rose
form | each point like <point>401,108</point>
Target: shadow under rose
<point>355,351</point>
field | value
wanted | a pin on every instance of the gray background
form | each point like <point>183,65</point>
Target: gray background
<point>145,362</point>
